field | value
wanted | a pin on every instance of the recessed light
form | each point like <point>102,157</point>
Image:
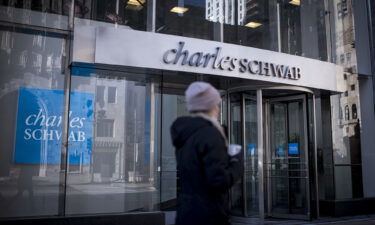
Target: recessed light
<point>178,9</point>
<point>253,24</point>
<point>295,2</point>
<point>135,2</point>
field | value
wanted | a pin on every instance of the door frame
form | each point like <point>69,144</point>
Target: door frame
<point>267,140</point>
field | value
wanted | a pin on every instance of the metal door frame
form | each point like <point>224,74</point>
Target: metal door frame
<point>267,124</point>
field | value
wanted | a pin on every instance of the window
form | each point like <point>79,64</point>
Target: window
<point>346,93</point>
<point>348,56</point>
<point>100,93</point>
<point>344,8</point>
<point>112,93</point>
<point>347,116</point>
<point>352,87</point>
<point>342,58</point>
<point>354,112</point>
<point>105,127</point>
<point>339,11</point>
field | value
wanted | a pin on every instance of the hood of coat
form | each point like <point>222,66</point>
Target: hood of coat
<point>183,127</point>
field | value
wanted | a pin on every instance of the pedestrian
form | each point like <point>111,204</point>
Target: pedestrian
<point>205,170</point>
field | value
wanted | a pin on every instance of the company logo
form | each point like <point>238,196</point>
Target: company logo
<point>39,126</point>
<point>228,63</point>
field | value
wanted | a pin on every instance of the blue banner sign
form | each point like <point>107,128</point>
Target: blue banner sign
<point>39,126</point>
<point>293,149</point>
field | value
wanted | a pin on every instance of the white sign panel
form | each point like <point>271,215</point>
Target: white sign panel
<point>169,52</point>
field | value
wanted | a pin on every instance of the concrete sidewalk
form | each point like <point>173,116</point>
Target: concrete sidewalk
<point>352,220</point>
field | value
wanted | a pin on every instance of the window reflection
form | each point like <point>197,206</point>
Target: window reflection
<point>121,175</point>
<point>201,19</point>
<point>31,97</point>
<point>174,105</point>
<point>132,13</point>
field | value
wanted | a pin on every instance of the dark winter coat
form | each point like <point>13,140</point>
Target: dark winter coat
<point>205,172</point>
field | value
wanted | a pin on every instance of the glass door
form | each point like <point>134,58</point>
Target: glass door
<point>243,131</point>
<point>287,161</point>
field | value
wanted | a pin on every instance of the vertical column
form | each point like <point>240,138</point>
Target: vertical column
<point>65,124</point>
<point>244,180</point>
<point>260,152</point>
<point>151,17</point>
<point>367,136</point>
<point>278,27</point>
<point>316,178</point>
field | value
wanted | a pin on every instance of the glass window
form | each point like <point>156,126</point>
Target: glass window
<point>105,127</point>
<point>31,115</point>
<point>354,111</point>
<point>51,13</point>
<point>174,105</point>
<point>117,151</point>
<point>112,94</point>
<point>190,18</point>
<point>286,26</point>
<point>347,115</point>
<point>132,13</point>
<point>100,94</point>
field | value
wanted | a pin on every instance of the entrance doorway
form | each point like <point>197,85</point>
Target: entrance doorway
<point>286,161</point>
<point>276,180</point>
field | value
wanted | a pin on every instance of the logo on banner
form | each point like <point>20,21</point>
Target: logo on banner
<point>39,126</point>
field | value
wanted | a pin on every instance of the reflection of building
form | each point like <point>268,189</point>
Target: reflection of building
<point>346,116</point>
<point>233,12</point>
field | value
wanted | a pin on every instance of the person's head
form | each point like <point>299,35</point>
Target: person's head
<point>203,97</point>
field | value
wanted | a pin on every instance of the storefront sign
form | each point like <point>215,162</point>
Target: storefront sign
<point>181,56</point>
<point>293,149</point>
<point>125,47</point>
<point>39,126</point>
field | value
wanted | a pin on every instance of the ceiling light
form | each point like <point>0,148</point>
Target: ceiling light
<point>295,2</point>
<point>178,9</point>
<point>253,24</point>
<point>135,2</point>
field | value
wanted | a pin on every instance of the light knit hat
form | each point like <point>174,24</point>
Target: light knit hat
<point>201,96</point>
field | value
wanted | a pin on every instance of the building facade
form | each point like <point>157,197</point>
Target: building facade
<point>89,89</point>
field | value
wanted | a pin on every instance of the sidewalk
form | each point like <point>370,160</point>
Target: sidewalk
<point>352,220</point>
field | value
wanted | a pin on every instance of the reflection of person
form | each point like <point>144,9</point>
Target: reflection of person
<point>204,168</point>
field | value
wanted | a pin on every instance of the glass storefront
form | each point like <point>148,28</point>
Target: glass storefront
<point>80,138</point>
<point>32,97</point>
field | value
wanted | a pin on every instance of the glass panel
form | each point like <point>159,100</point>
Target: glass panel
<point>289,171</point>
<point>190,18</point>
<point>345,114</point>
<point>255,24</point>
<point>111,144</point>
<point>236,138</point>
<point>297,159</point>
<point>343,182</point>
<point>132,13</point>
<point>251,159</point>
<point>31,112</point>
<point>299,26</point>
<point>279,158</point>
<point>51,13</point>
<point>174,106</point>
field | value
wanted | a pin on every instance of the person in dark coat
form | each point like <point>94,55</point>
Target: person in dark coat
<point>204,168</point>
